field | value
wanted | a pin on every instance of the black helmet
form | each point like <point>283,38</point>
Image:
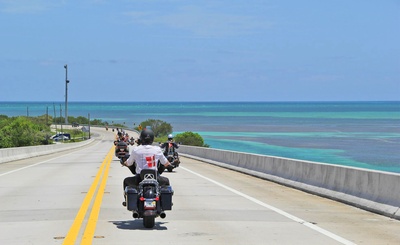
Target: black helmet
<point>147,137</point>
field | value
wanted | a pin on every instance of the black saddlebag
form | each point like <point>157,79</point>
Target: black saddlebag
<point>131,195</point>
<point>166,197</point>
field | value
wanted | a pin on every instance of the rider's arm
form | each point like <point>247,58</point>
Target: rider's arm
<point>130,161</point>
<point>164,161</point>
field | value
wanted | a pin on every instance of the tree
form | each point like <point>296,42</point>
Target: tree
<point>42,120</point>
<point>21,131</point>
<point>82,120</point>
<point>190,138</point>
<point>3,117</point>
<point>159,127</point>
<point>96,122</point>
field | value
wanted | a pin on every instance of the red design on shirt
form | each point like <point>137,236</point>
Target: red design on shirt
<point>151,161</point>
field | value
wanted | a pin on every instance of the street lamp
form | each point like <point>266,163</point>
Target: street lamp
<point>66,93</point>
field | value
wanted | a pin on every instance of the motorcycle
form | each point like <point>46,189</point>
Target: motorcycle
<point>121,149</point>
<point>172,156</point>
<point>149,200</point>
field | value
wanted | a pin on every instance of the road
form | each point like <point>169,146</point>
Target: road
<point>75,197</point>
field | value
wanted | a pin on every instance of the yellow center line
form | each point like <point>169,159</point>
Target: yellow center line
<point>76,226</point>
<point>94,215</point>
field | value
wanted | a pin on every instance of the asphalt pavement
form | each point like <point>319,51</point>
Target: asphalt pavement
<point>74,197</point>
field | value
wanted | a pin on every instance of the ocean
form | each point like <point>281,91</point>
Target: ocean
<point>357,134</point>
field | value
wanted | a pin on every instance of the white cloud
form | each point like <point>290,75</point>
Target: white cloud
<point>202,22</point>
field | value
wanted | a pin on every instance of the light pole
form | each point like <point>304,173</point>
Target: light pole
<point>66,94</point>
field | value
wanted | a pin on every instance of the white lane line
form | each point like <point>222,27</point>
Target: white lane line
<point>29,166</point>
<point>277,210</point>
<point>33,165</point>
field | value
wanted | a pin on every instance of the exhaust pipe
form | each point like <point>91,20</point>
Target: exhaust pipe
<point>162,215</point>
<point>135,215</point>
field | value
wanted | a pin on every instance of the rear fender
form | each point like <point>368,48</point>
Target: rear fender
<point>150,213</point>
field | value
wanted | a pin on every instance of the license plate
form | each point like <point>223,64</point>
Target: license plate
<point>149,204</point>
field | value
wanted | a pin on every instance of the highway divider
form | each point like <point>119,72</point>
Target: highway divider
<point>375,191</point>
<point>18,153</point>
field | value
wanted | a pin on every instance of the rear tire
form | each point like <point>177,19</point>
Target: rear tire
<point>148,221</point>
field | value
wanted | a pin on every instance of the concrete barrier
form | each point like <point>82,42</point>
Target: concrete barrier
<point>18,153</point>
<point>374,191</point>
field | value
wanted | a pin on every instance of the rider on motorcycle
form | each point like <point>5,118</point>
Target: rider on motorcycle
<point>169,146</point>
<point>145,156</point>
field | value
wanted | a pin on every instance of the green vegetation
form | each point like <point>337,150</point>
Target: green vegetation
<point>23,131</point>
<point>80,120</point>
<point>161,130</point>
<point>190,138</point>
<point>76,135</point>
<point>30,131</point>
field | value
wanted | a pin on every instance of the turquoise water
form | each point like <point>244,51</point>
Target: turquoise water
<point>360,134</point>
<point>301,151</point>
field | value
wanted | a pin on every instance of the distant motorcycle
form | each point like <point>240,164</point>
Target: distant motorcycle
<point>171,154</point>
<point>121,149</point>
<point>173,158</point>
<point>149,200</point>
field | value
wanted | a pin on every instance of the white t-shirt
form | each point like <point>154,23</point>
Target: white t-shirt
<point>146,157</point>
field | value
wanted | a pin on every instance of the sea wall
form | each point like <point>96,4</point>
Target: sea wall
<point>18,153</point>
<point>374,191</point>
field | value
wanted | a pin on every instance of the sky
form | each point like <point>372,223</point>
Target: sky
<point>200,50</point>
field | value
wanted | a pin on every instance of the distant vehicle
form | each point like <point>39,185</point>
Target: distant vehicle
<point>60,136</point>
<point>75,124</point>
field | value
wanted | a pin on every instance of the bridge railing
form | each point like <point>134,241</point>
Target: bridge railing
<point>18,153</point>
<point>375,191</point>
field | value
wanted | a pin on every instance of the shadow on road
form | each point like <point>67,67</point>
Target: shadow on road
<point>137,225</point>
